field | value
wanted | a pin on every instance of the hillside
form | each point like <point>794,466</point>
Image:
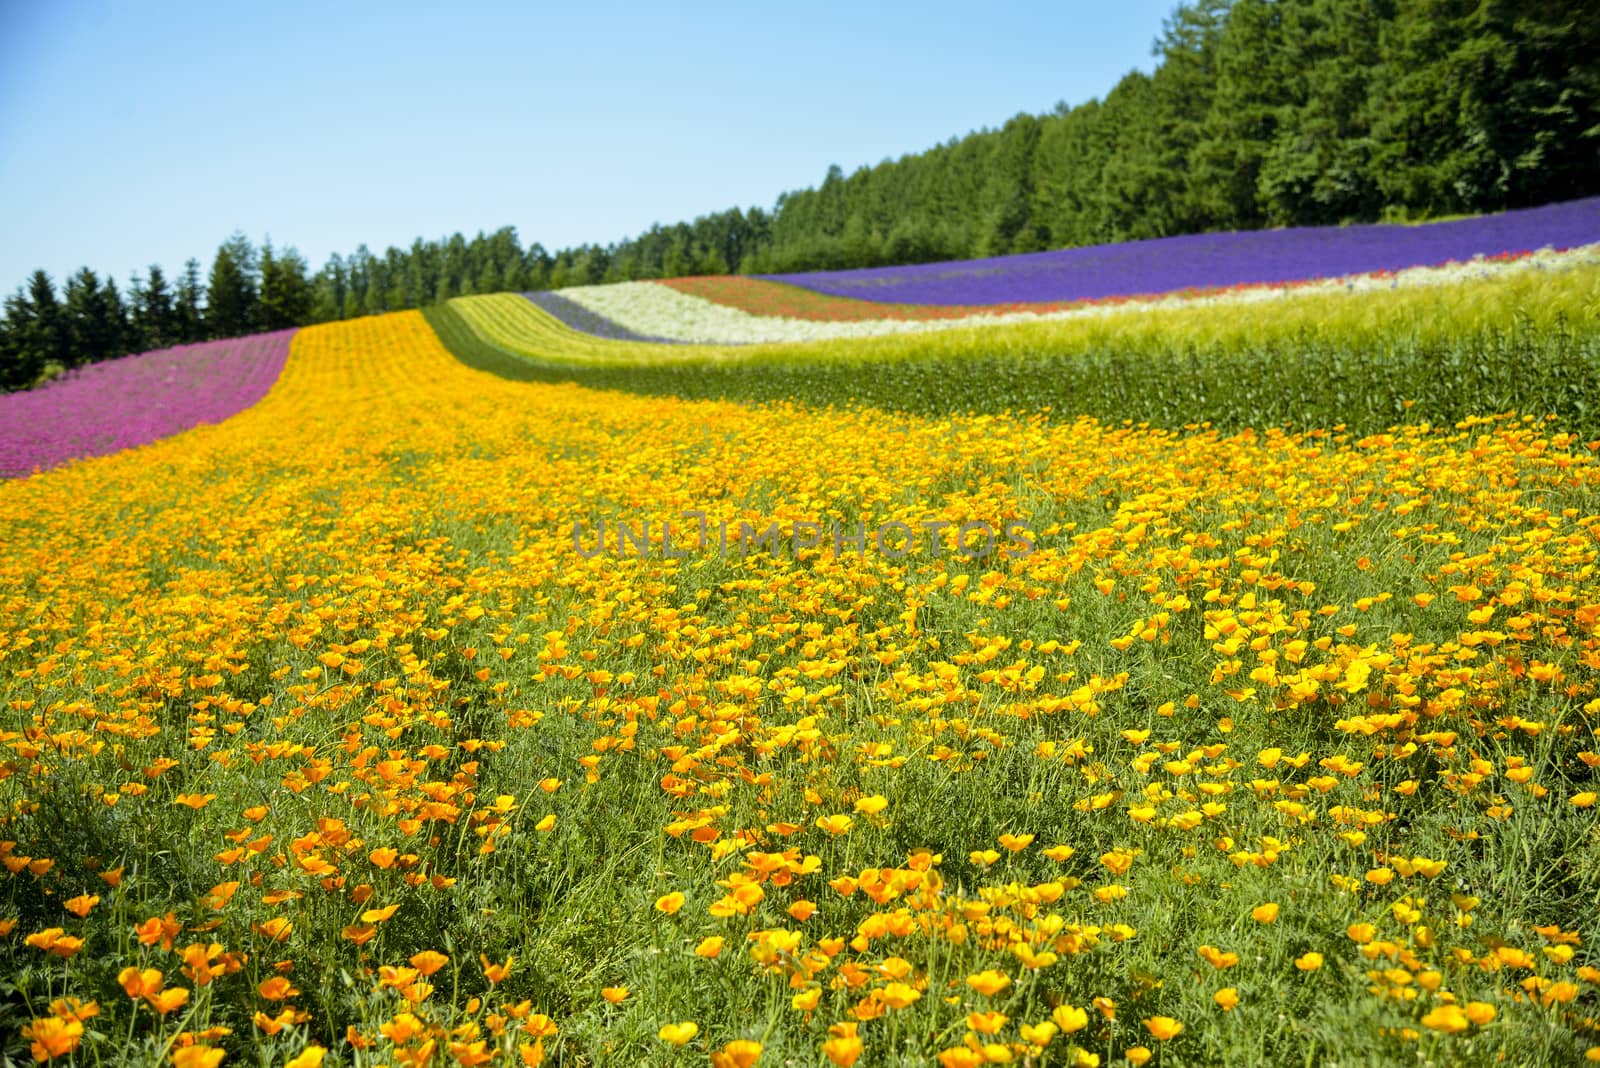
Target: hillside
<point>1260,114</point>
<point>387,720</point>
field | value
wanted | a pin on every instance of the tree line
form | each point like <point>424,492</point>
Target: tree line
<point>45,332</point>
<point>1258,113</point>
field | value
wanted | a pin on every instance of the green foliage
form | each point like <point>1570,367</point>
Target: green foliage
<point>97,327</point>
<point>1365,361</point>
<point>1259,113</point>
<point>190,325</point>
<point>153,313</point>
<point>286,294</point>
<point>231,291</point>
<point>35,339</point>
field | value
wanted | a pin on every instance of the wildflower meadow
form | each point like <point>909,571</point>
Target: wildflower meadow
<point>922,712</point>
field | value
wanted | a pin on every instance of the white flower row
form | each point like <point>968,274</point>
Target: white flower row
<point>661,311</point>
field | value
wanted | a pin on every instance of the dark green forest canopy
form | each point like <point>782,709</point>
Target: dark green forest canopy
<point>1258,113</point>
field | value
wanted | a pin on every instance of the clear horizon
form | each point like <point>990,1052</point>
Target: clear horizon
<point>134,138</point>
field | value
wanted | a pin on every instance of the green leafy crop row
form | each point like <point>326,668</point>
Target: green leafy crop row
<point>1529,343</point>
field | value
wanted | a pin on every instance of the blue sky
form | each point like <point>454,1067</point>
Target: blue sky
<point>133,133</point>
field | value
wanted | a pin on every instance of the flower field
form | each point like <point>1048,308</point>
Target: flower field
<point>780,300</point>
<point>575,315</point>
<point>725,310</point>
<point>117,405</point>
<point>1516,338</point>
<point>1205,261</point>
<point>329,741</point>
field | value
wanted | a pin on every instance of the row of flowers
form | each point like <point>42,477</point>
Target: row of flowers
<point>120,404</point>
<point>684,312</point>
<point>1167,264</point>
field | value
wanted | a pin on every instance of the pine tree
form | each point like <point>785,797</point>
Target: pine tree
<point>116,336</point>
<point>49,340</point>
<point>489,280</point>
<point>267,272</point>
<point>188,319</point>
<point>328,289</point>
<point>286,294</point>
<point>231,289</point>
<point>19,362</point>
<point>154,314</point>
<point>92,332</point>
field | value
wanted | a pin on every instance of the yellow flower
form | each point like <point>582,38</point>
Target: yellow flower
<point>709,947</point>
<point>1016,843</point>
<point>360,934</point>
<point>140,984</point>
<point>1163,1028</point>
<point>1118,861</point>
<point>871,806</point>
<point>987,1023</point>
<point>52,1036</point>
<point>614,994</point>
<point>740,1053</point>
<point>173,997</point>
<point>670,903</point>
<point>1137,1054</point>
<point>1070,1018</point>
<point>842,1050</point>
<point>677,1034</point>
<point>1308,962</point>
<point>79,906</point>
<point>835,824</point>
<point>1227,998</point>
<point>1447,1018</point>
<point>989,983</point>
<point>310,1057</point>
<point>1267,913</point>
<point>277,988</point>
<point>429,961</point>
<point>1039,1034</point>
<point>197,1056</point>
<point>276,929</point>
<point>899,995</point>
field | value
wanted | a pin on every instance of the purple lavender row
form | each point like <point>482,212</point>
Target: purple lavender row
<point>585,321</point>
<point>1204,261</point>
<point>107,407</point>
